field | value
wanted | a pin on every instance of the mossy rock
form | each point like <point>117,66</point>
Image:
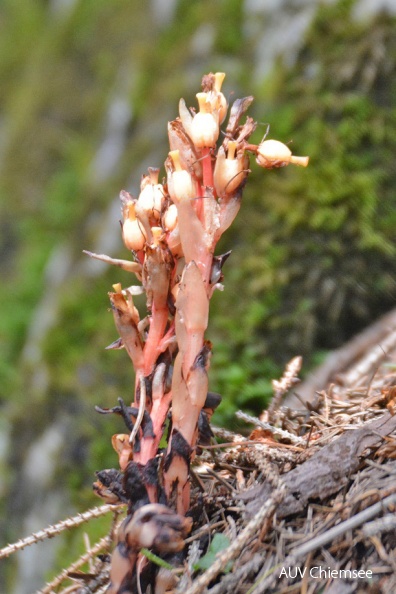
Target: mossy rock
<point>315,260</point>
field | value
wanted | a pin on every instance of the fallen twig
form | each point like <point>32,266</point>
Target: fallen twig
<point>267,427</point>
<point>103,544</point>
<point>56,529</point>
<point>327,471</point>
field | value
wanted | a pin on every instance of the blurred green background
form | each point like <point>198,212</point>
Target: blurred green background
<point>87,88</point>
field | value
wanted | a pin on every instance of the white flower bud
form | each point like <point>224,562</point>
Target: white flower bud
<point>170,217</point>
<point>230,170</point>
<point>217,98</point>
<point>152,194</point>
<point>205,125</point>
<point>132,231</point>
<point>180,183</point>
<point>272,153</point>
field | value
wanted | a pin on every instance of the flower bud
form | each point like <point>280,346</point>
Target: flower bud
<point>170,218</point>
<point>272,153</point>
<point>132,231</point>
<point>185,117</point>
<point>180,140</point>
<point>205,124</point>
<point>152,194</point>
<point>217,98</point>
<point>173,242</point>
<point>230,170</point>
<point>120,443</point>
<point>180,184</point>
<point>157,235</point>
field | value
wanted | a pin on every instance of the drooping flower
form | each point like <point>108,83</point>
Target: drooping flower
<point>273,153</point>
<point>133,232</point>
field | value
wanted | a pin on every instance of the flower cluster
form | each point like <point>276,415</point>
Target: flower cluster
<point>171,230</point>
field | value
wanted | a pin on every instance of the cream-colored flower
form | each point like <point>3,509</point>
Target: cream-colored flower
<point>273,153</point>
<point>169,220</point>
<point>205,124</point>
<point>152,194</point>
<point>180,183</point>
<point>217,98</point>
<point>133,232</point>
<point>230,169</point>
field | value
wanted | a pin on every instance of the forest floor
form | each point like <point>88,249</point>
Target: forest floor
<point>316,508</point>
<point>306,502</point>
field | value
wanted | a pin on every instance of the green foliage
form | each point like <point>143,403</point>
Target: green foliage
<point>219,543</point>
<point>316,260</point>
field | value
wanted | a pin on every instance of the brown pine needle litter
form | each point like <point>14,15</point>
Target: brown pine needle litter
<point>282,518</point>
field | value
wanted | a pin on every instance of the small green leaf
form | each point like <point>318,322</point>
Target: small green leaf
<point>156,560</point>
<point>219,543</point>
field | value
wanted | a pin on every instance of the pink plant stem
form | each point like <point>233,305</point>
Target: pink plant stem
<point>194,345</point>
<point>121,566</point>
<point>207,176</point>
<point>192,382</point>
<point>149,445</point>
<point>207,170</point>
<point>159,319</point>
<point>192,235</point>
<point>168,338</point>
<point>198,203</point>
<point>159,408</point>
<point>207,268</point>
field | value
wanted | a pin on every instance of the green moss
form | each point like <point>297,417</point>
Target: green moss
<point>320,258</point>
<point>229,39</point>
